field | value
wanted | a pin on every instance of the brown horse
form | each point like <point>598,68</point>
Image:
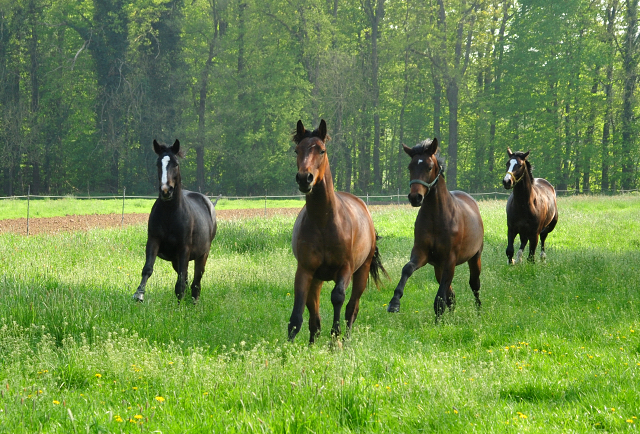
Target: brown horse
<point>531,209</point>
<point>448,230</point>
<point>333,238</point>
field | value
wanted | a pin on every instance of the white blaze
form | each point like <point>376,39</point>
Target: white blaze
<point>165,163</point>
<point>512,164</point>
<point>419,161</point>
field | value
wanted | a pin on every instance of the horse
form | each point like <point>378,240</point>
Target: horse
<point>333,239</point>
<point>181,226</point>
<point>532,210</point>
<point>448,230</point>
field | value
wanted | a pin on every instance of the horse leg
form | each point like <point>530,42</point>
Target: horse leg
<point>511,236</point>
<point>313,305</point>
<point>543,237</point>
<point>198,271</point>
<point>418,259</point>
<point>338,296</point>
<point>360,278</point>
<point>451,304</point>
<point>445,296</point>
<point>147,270</point>
<point>533,244</point>
<point>474,277</point>
<point>523,243</point>
<point>301,288</point>
<point>181,266</point>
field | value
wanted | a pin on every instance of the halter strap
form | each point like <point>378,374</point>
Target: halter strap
<point>516,180</point>
<point>429,185</point>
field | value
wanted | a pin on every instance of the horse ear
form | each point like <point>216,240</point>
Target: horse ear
<point>526,154</point>
<point>322,130</point>
<point>509,153</point>
<point>176,147</point>
<point>407,150</point>
<point>434,145</point>
<point>300,131</point>
<point>156,147</point>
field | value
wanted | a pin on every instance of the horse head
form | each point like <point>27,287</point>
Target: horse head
<point>312,155</point>
<point>517,167</point>
<point>168,168</point>
<point>425,169</point>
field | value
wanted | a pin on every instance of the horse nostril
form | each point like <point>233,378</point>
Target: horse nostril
<point>309,178</point>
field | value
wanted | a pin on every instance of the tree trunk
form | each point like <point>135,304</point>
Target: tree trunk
<point>629,66</point>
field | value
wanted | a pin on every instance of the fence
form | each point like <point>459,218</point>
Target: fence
<point>380,199</point>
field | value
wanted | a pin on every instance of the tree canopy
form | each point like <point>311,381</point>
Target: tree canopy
<point>86,86</point>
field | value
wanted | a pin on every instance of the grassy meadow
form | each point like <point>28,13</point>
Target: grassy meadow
<point>556,347</point>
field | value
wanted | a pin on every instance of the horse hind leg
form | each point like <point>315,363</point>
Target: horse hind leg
<point>360,278</point>
<point>475,265</point>
<point>198,272</point>
<point>313,305</point>
<point>337,299</point>
<point>533,245</point>
<point>446,297</point>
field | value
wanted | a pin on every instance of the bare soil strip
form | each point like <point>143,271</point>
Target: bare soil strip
<point>71,223</point>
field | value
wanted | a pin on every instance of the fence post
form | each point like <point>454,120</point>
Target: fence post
<point>265,204</point>
<point>398,195</point>
<point>367,198</point>
<point>28,203</point>
<point>124,191</point>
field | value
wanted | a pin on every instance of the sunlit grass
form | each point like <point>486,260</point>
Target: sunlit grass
<point>556,347</point>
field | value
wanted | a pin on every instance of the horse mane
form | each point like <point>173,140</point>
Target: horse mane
<point>315,133</point>
<point>521,155</point>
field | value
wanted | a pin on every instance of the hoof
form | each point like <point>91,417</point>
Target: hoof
<point>194,300</point>
<point>393,308</point>
<point>519,257</point>
<point>511,262</point>
<point>138,297</point>
<point>543,256</point>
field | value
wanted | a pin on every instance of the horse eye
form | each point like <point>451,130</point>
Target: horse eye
<point>295,150</point>
<point>322,151</point>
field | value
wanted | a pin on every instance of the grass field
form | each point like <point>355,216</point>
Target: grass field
<point>556,347</point>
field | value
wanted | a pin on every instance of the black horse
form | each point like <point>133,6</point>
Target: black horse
<point>182,225</point>
<point>532,211</point>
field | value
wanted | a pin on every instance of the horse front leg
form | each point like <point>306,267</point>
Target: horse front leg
<point>301,289</point>
<point>338,296</point>
<point>475,265</point>
<point>418,259</point>
<point>523,243</point>
<point>151,253</point>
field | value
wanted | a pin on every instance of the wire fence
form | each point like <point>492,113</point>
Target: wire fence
<point>377,199</point>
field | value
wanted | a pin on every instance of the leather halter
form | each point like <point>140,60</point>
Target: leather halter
<point>513,176</point>
<point>429,185</point>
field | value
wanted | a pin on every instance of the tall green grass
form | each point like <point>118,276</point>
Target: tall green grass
<point>555,348</point>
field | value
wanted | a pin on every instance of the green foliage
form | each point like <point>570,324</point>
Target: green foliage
<point>555,347</point>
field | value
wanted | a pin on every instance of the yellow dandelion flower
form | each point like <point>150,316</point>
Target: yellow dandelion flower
<point>523,416</point>
<point>138,416</point>
<point>159,399</point>
<point>98,375</point>
<point>629,420</point>
<point>613,409</point>
<point>117,418</point>
<point>56,402</point>
<point>135,387</point>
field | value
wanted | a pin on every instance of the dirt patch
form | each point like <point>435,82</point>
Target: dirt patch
<point>85,222</point>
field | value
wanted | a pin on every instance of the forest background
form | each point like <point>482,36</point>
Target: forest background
<point>86,85</point>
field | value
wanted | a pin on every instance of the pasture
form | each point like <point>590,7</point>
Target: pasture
<point>555,348</point>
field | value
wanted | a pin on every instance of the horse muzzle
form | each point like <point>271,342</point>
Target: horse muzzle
<point>305,182</point>
<point>166,192</point>
<point>415,199</point>
<point>507,182</point>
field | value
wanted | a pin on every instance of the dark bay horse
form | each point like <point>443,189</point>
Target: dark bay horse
<point>448,230</point>
<point>333,238</point>
<point>182,225</point>
<point>532,211</point>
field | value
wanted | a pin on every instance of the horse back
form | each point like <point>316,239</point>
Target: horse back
<point>546,203</point>
<point>203,213</point>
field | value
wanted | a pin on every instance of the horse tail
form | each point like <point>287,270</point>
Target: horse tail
<point>376,266</point>
<point>217,199</point>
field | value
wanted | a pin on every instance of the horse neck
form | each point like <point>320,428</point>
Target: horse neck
<point>438,201</point>
<point>321,202</point>
<point>523,190</point>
